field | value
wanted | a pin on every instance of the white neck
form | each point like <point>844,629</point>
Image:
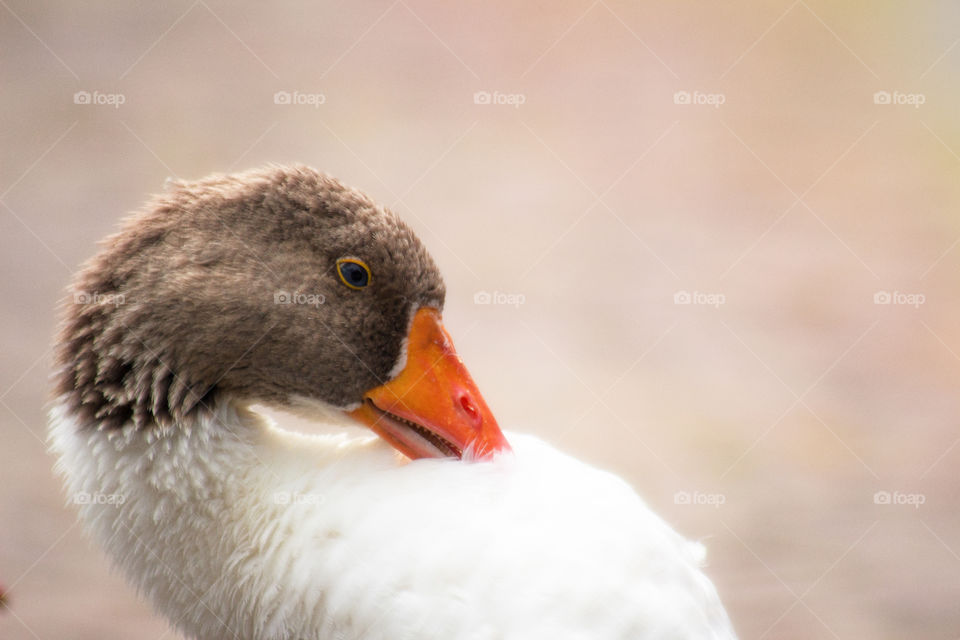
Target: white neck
<point>177,511</point>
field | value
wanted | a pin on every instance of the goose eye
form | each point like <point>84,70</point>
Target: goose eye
<point>354,273</point>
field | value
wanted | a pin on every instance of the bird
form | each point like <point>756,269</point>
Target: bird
<point>415,516</point>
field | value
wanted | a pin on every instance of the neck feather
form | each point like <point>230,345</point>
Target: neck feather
<point>179,509</point>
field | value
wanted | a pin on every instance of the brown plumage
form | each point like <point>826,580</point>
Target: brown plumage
<point>153,332</point>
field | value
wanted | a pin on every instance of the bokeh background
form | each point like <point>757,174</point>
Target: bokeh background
<point>788,168</point>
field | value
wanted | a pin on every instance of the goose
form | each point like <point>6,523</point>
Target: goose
<point>282,287</point>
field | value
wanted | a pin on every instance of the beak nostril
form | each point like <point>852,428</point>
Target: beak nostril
<point>469,408</point>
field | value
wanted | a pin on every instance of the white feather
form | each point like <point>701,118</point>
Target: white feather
<point>241,530</point>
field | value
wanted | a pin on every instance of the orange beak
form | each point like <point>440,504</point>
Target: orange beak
<point>433,408</point>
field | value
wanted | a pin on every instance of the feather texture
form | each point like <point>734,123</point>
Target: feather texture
<point>234,528</point>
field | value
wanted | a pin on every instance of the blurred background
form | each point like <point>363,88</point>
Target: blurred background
<point>710,246</point>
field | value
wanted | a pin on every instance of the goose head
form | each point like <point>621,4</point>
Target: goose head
<point>279,286</point>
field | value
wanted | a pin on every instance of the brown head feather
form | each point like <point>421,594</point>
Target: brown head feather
<point>228,285</point>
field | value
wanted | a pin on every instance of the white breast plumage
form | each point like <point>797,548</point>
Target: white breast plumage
<point>253,532</point>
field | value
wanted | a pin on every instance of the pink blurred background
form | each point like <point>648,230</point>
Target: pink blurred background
<point>790,168</point>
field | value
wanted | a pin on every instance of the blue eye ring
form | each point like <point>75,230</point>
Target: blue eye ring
<point>354,273</point>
